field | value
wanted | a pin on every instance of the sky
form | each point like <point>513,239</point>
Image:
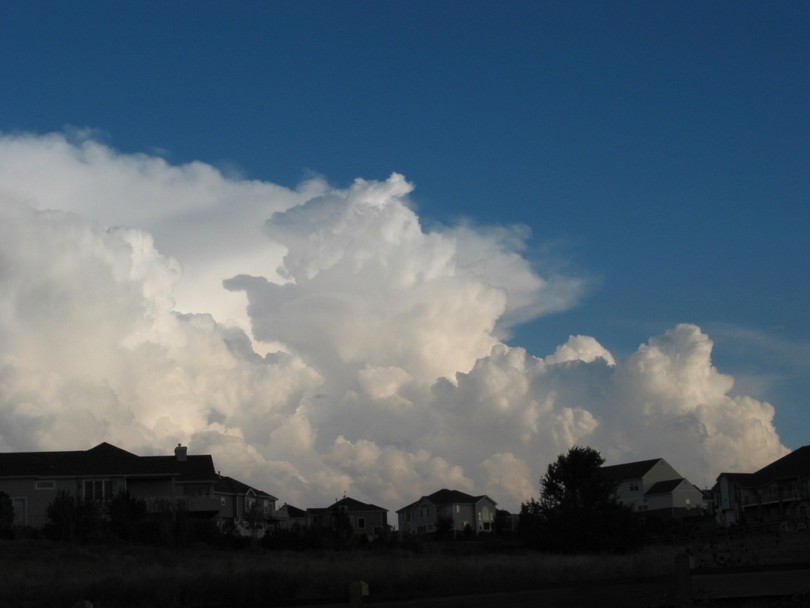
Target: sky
<point>382,248</point>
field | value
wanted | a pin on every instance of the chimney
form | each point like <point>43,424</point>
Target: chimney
<point>181,453</point>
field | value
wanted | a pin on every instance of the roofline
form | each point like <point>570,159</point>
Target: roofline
<point>476,500</point>
<point>85,476</point>
<point>770,480</point>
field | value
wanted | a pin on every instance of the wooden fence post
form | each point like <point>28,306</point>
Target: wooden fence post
<point>357,591</point>
<point>683,581</point>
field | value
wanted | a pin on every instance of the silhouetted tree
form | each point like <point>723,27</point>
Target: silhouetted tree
<point>576,482</point>
<point>126,515</point>
<point>502,523</point>
<point>62,514</point>
<point>255,518</point>
<point>531,521</point>
<point>577,510</point>
<point>444,526</point>
<point>340,531</point>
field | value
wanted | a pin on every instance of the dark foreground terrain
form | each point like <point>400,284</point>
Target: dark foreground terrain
<point>38,573</point>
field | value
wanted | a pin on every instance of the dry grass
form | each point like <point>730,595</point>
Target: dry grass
<point>41,574</point>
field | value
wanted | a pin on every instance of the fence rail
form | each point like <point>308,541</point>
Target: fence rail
<point>740,583</point>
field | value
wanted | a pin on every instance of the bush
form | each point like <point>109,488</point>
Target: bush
<point>126,515</point>
<point>72,519</point>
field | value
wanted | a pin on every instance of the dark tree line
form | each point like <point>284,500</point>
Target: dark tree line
<point>577,510</point>
<point>125,517</point>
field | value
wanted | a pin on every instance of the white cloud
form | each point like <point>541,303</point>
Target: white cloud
<point>211,224</point>
<point>391,379</point>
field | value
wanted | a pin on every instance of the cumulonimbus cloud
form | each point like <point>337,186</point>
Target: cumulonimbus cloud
<point>318,341</point>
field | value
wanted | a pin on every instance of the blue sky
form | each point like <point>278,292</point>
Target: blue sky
<point>660,151</point>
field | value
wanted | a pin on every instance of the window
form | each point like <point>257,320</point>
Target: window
<point>361,523</point>
<point>407,516</point>
<point>458,508</point>
<point>634,486</point>
<point>98,490</point>
<point>221,501</point>
<point>19,511</point>
<point>45,485</point>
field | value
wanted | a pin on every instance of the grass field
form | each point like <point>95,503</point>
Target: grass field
<point>43,574</point>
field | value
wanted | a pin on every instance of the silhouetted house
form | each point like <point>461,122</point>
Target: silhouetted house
<point>179,482</point>
<point>447,510</point>
<point>288,516</point>
<point>245,508</point>
<point>655,489</point>
<point>776,493</point>
<point>363,519</point>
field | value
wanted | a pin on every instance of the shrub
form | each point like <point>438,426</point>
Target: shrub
<point>126,514</point>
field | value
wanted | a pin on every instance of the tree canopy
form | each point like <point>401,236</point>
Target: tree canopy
<point>575,482</point>
<point>577,510</point>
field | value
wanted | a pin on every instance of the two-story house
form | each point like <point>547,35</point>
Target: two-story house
<point>655,489</point>
<point>776,493</point>
<point>447,510</point>
<point>245,508</point>
<point>364,519</point>
<point>33,480</point>
<point>287,517</point>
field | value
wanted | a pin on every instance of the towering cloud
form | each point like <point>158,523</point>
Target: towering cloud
<point>317,341</point>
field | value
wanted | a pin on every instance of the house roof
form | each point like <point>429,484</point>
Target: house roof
<point>448,497</point>
<point>452,497</point>
<point>350,504</point>
<point>105,459</point>
<point>629,470</point>
<point>229,485</point>
<point>794,464</point>
<point>664,487</point>
<point>738,478</point>
<point>293,511</point>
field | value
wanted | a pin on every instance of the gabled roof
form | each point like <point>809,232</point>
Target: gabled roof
<point>629,470</point>
<point>664,487</point>
<point>448,497</point>
<point>105,460</point>
<point>229,485</point>
<point>794,464</point>
<point>350,504</point>
<point>293,511</point>
<point>742,479</point>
